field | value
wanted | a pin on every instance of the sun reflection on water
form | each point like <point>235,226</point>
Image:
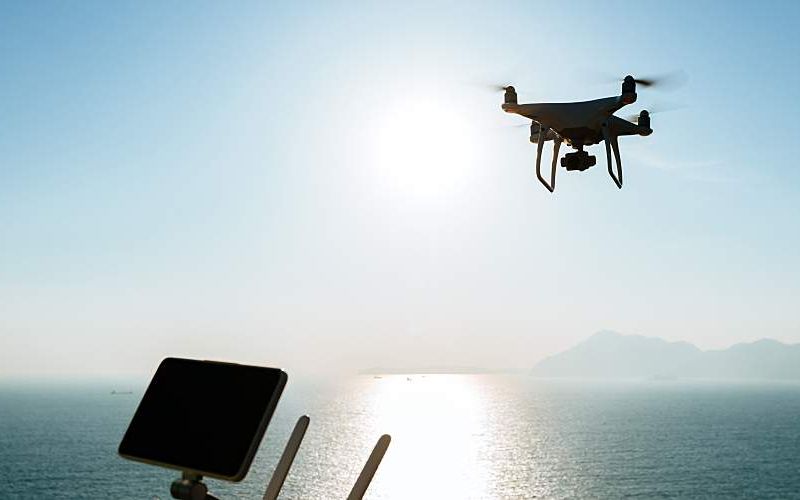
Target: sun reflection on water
<point>439,437</point>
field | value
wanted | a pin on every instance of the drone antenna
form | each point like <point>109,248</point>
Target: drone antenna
<point>285,462</point>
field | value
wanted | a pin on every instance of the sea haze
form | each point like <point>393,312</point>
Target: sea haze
<point>454,436</point>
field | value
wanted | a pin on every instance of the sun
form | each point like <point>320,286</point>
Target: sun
<point>422,148</point>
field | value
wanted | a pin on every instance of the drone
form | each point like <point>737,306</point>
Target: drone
<point>581,124</point>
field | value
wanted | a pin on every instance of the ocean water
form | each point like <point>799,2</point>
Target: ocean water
<point>453,436</point>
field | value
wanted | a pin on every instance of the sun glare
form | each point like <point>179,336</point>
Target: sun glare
<point>422,148</point>
<point>438,429</point>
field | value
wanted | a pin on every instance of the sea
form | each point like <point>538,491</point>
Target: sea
<point>453,437</point>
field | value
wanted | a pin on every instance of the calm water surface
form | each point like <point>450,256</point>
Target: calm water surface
<point>453,436</point>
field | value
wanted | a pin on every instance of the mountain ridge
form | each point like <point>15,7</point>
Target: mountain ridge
<point>608,354</point>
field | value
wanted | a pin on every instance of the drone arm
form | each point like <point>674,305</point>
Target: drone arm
<point>551,186</point>
<point>611,141</point>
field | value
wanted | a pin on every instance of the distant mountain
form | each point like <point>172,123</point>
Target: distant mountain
<point>609,354</point>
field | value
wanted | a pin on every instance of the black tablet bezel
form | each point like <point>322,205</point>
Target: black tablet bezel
<point>254,444</point>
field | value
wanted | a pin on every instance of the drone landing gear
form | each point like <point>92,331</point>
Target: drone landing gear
<point>610,138</point>
<point>551,186</point>
<point>190,487</point>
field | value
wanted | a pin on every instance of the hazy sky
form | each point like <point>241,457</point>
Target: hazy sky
<point>328,185</point>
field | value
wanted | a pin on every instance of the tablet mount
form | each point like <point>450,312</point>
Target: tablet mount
<point>190,487</point>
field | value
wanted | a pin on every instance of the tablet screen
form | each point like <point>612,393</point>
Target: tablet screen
<point>203,416</point>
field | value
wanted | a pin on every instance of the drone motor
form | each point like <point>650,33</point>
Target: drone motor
<point>644,119</point>
<point>535,127</point>
<point>510,95</point>
<point>628,90</point>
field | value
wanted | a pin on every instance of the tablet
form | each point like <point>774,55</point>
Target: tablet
<point>203,417</point>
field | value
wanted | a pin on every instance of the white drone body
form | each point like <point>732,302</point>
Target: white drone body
<point>580,124</point>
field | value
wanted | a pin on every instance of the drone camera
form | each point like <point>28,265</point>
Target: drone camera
<point>511,95</point>
<point>580,160</point>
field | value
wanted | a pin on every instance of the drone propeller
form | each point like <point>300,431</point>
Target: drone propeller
<point>646,82</point>
<point>496,87</point>
<point>655,109</point>
<point>664,81</point>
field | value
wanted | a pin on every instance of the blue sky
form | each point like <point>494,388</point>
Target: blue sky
<point>328,186</point>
